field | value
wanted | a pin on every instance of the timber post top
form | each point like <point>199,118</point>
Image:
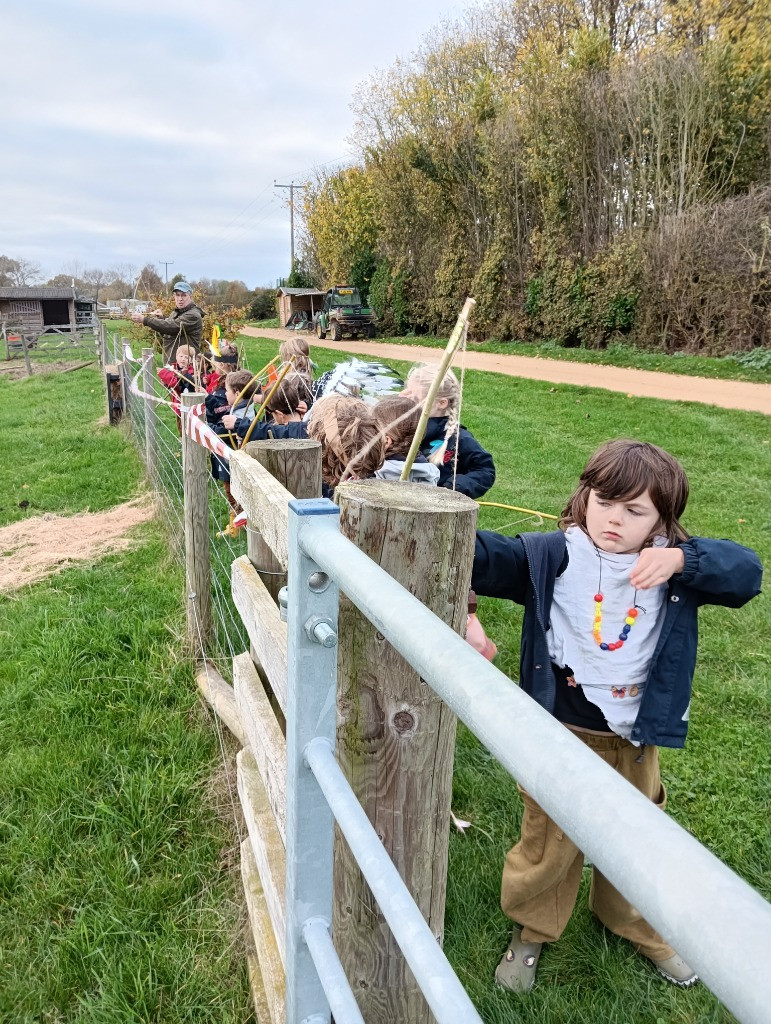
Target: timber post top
<point>404,496</point>
<point>285,444</point>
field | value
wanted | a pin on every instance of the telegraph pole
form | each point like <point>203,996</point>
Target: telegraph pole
<point>167,264</point>
<point>291,188</point>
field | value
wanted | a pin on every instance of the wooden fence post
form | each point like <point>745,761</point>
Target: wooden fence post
<point>296,465</point>
<point>26,352</point>
<point>125,377</point>
<point>101,341</point>
<point>151,421</point>
<point>396,738</point>
<point>195,476</point>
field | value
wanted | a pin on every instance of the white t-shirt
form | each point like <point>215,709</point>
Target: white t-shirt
<point>612,680</point>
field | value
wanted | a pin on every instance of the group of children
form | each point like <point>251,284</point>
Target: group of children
<point>610,600</point>
<point>358,440</point>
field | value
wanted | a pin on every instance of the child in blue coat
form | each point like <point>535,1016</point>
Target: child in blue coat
<point>463,463</point>
<point>609,648</point>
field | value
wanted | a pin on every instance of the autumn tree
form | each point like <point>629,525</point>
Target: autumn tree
<point>541,156</point>
<point>18,273</point>
<point>339,214</point>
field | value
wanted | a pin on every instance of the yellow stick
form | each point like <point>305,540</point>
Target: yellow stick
<point>516,508</point>
<point>254,378</point>
<point>261,411</point>
<point>452,347</point>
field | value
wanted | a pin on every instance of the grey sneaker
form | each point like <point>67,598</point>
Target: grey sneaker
<point>516,971</point>
<point>676,970</point>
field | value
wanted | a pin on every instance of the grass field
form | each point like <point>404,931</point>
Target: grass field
<point>117,871</point>
<point>118,896</point>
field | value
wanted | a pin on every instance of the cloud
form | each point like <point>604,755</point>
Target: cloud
<point>157,132</point>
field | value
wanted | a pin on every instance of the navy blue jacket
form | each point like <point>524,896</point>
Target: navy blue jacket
<point>268,430</point>
<point>217,406</point>
<point>476,470</point>
<point>524,568</point>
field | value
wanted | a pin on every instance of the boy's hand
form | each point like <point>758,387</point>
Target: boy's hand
<point>229,421</point>
<point>656,566</point>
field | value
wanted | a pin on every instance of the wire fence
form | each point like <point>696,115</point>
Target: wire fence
<point>164,473</point>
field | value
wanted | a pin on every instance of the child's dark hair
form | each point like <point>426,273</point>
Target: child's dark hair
<point>242,380</point>
<point>290,392</point>
<point>398,417</point>
<point>622,470</point>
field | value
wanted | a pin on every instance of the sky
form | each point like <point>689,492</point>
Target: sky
<point>136,131</point>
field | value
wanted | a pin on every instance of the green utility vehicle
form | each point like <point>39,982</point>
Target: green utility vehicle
<point>344,313</point>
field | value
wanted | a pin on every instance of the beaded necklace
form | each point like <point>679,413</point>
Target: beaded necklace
<point>629,621</point>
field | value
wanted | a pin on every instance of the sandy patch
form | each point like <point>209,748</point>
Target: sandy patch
<point>38,547</point>
<point>17,369</point>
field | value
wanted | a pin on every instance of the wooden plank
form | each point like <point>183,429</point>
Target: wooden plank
<point>395,737</point>
<point>151,415</point>
<point>265,501</point>
<point>260,1000</point>
<point>220,695</point>
<point>267,844</point>
<point>78,366</point>
<point>260,616</point>
<point>296,464</point>
<point>271,968</point>
<point>263,736</point>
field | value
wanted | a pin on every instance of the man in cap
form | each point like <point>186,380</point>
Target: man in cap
<point>183,327</point>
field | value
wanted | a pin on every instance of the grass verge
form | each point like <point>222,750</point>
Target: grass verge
<point>119,893</point>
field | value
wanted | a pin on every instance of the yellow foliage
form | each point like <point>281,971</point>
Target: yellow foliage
<point>340,216</point>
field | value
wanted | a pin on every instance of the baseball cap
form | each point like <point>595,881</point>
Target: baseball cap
<point>182,286</point>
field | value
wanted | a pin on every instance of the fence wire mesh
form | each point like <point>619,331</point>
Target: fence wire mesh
<point>164,473</point>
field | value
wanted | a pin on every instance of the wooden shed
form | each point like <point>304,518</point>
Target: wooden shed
<point>32,310</point>
<point>298,300</point>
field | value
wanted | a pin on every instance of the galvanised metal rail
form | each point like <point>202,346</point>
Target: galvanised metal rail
<point>717,922</point>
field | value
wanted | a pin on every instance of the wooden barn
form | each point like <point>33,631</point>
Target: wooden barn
<point>298,300</point>
<point>33,310</point>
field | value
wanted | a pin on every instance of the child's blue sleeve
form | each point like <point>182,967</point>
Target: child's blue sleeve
<point>242,425</point>
<point>721,571</point>
<point>500,567</point>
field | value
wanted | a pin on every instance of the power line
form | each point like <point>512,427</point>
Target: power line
<point>239,231</point>
<point>167,264</point>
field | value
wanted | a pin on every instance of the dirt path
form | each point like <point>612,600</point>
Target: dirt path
<point>730,394</point>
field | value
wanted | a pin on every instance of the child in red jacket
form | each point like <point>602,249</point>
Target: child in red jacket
<point>179,377</point>
<point>221,365</point>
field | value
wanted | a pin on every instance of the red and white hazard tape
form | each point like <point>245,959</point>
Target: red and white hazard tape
<point>202,433</point>
<point>195,427</point>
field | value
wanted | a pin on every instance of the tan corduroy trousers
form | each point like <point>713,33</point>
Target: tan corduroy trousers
<point>542,872</point>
